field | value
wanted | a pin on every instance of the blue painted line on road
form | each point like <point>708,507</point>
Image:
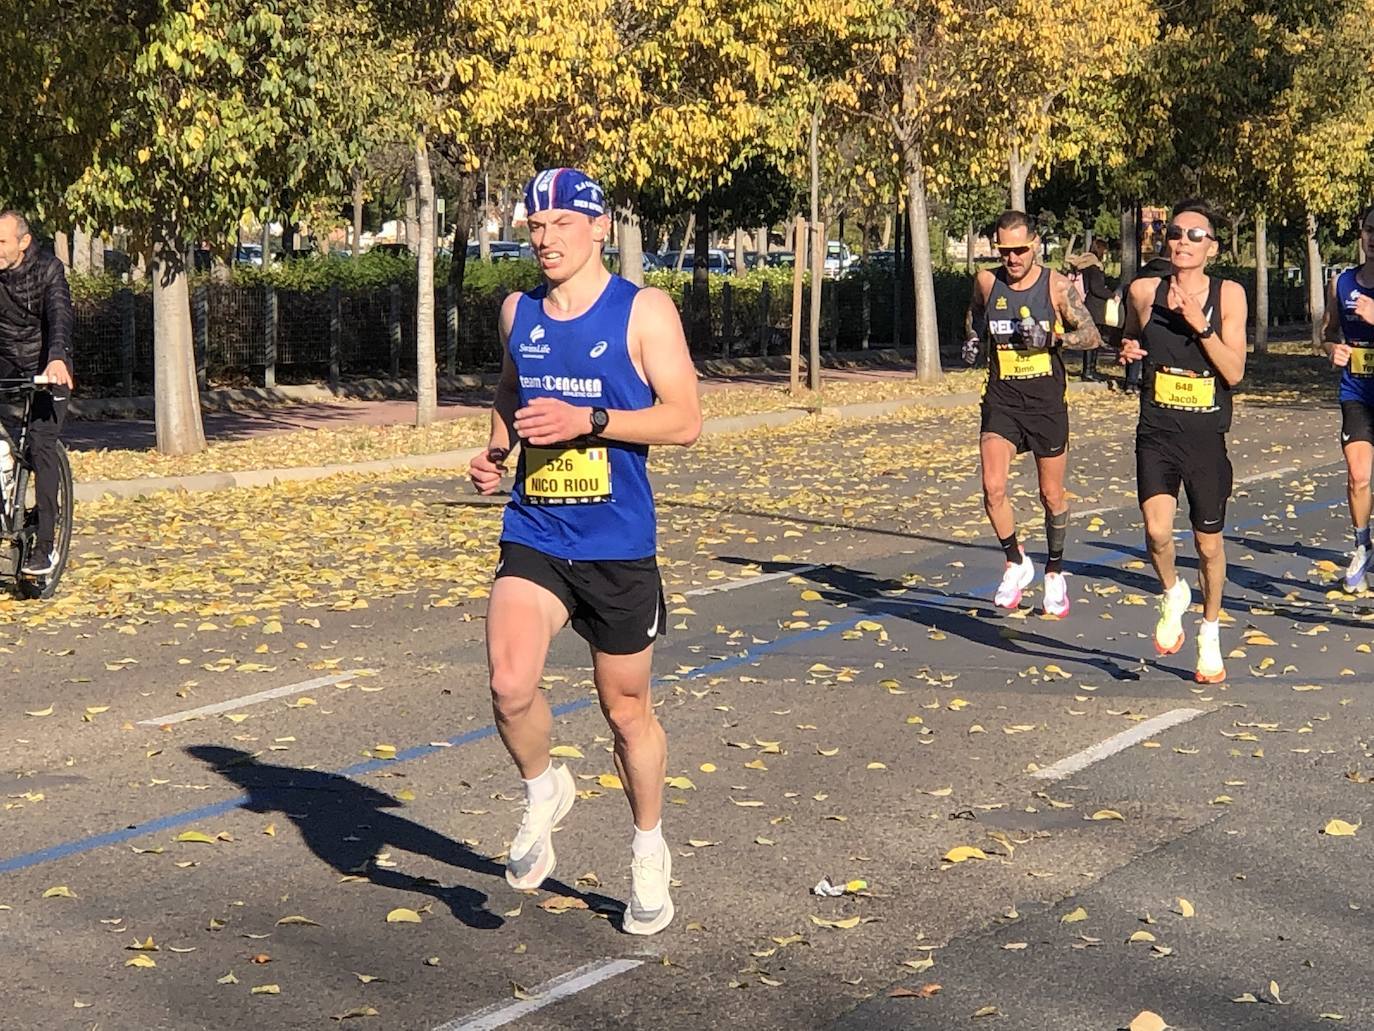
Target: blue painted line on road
<point>180,819</point>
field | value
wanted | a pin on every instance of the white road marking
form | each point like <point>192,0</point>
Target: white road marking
<point>502,1013</point>
<point>248,699</point>
<point>749,581</point>
<point>1116,743</point>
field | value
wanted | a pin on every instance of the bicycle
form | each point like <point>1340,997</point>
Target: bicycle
<point>18,501</point>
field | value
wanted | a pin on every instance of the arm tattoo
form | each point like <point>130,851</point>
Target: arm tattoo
<point>1080,332</point>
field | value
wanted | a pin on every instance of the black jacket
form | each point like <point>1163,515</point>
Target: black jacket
<point>36,313</point>
<point>1096,289</point>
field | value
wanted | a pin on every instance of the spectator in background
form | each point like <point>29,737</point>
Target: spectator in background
<point>1096,293</point>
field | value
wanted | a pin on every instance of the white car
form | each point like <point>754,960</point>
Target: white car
<point>838,260</point>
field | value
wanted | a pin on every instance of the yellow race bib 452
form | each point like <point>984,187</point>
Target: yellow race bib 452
<point>1012,364</point>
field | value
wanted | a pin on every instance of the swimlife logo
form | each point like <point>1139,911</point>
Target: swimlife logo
<point>537,333</point>
<point>599,349</point>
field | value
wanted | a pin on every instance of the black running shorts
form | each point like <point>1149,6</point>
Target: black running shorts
<point>1357,422</point>
<point>1196,461</point>
<point>1043,433</point>
<point>615,606</point>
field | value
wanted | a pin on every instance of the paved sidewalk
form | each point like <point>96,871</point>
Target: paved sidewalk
<point>140,433</point>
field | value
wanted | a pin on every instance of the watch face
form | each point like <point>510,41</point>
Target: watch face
<point>599,419</point>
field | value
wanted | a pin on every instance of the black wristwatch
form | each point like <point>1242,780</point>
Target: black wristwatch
<point>600,420</point>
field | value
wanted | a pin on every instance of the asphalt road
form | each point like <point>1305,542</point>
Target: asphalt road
<point>842,701</point>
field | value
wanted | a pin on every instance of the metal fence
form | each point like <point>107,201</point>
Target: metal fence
<point>259,331</point>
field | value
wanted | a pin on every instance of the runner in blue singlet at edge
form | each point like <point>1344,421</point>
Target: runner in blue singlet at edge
<point>595,370</point>
<point>1348,334</point>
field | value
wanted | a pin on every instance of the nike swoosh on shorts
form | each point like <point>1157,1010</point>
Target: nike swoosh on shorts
<point>653,630</point>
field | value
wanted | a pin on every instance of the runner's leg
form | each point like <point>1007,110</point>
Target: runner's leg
<point>641,747</point>
<point>1359,457</point>
<point>1051,473</point>
<point>1159,512</point>
<point>522,618</point>
<point>1211,559</point>
<point>996,453</point>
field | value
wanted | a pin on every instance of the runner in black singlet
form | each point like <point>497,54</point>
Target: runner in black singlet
<point>1026,315</point>
<point>1189,331</point>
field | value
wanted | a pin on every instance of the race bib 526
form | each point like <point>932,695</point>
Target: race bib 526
<point>1184,389</point>
<point>567,476</point>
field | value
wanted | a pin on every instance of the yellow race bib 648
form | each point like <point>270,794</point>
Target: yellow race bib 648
<point>567,476</point>
<point>1012,364</point>
<point>1185,389</point>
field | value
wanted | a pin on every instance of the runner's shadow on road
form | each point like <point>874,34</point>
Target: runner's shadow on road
<point>346,824</point>
<point>948,614</point>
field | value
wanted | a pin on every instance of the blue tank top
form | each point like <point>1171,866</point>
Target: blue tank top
<point>1359,334</point>
<point>585,500</point>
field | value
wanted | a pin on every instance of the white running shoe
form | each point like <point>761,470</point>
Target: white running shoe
<point>650,908</point>
<point>531,858</point>
<point>1056,595</point>
<point>1016,579</point>
<point>1173,603</point>
<point>1356,572</point>
<point>1210,668</point>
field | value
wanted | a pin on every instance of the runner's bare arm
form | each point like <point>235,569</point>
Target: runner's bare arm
<point>1080,332</point>
<point>1226,350</point>
<point>660,349</point>
<point>1139,296</point>
<point>508,388</point>
<point>1331,322</point>
<point>976,315</point>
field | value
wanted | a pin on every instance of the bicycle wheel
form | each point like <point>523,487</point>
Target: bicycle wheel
<point>46,586</point>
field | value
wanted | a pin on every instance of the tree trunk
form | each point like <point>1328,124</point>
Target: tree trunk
<point>462,226</point>
<point>1020,172</point>
<point>900,271</point>
<point>761,243</point>
<point>426,392</point>
<point>266,241</point>
<point>687,238</point>
<point>1316,287</point>
<point>701,284</point>
<point>1130,245</point>
<point>412,215</point>
<point>631,233</point>
<point>816,166</point>
<point>507,215</point>
<point>885,242</point>
<point>176,401</point>
<point>970,240</point>
<point>739,253</point>
<point>922,274</point>
<point>81,250</point>
<point>813,361</point>
<point>61,246</point>
<point>1261,282</point>
<point>798,272</point>
<point>97,254</point>
<point>357,214</point>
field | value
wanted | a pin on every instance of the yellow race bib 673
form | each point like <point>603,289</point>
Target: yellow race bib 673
<point>567,476</point>
<point>1185,389</point>
<point>1012,364</point>
<point>1361,360</point>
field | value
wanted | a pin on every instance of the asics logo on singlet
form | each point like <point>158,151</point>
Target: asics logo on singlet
<point>599,349</point>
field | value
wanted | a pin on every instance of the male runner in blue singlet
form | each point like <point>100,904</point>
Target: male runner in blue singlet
<point>1348,334</point>
<point>595,371</point>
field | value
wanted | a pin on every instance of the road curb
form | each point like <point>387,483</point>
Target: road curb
<point>459,459</point>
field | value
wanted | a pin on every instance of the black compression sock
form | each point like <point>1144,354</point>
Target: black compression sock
<point>1010,547</point>
<point>1056,529</point>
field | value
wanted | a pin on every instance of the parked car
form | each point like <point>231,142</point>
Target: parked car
<point>780,259</point>
<point>838,260</point>
<point>611,257</point>
<point>718,263</point>
<point>248,254</point>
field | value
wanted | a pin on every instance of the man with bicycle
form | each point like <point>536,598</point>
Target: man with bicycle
<point>36,320</point>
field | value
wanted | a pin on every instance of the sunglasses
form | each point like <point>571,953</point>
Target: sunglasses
<point>1018,251</point>
<point>1195,234</point>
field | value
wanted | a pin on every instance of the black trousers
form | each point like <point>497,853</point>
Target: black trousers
<point>45,430</point>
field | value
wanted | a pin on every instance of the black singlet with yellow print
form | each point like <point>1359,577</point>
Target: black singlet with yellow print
<point>1180,389</point>
<point>1020,375</point>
